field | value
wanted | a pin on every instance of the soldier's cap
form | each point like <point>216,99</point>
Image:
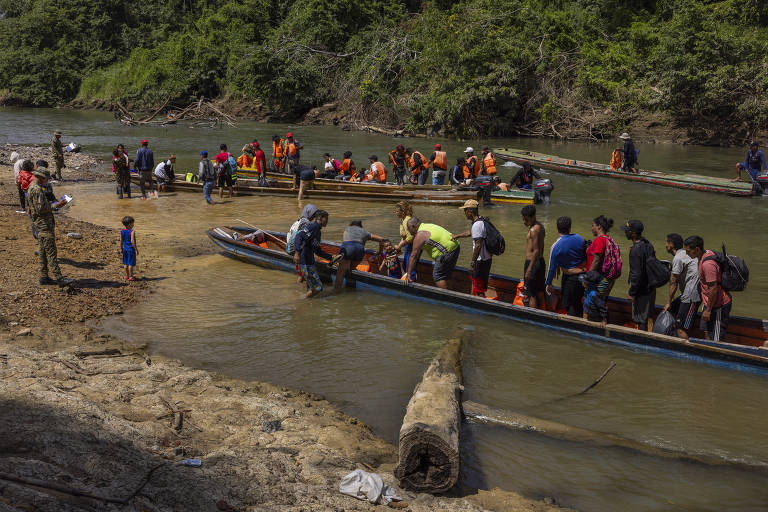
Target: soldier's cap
<point>470,203</point>
<point>42,173</point>
<point>57,132</point>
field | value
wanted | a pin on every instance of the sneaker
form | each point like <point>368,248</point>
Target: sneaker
<point>46,280</point>
<point>64,281</point>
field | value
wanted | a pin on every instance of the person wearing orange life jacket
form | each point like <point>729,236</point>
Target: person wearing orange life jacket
<point>347,171</point>
<point>472,162</point>
<point>488,165</point>
<point>291,150</point>
<point>466,172</point>
<point>278,156</point>
<point>399,159</point>
<point>377,173</point>
<point>617,160</point>
<point>418,165</point>
<point>439,162</point>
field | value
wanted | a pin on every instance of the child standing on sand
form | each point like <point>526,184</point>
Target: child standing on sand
<point>128,247</point>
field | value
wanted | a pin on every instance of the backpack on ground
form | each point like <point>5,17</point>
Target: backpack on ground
<point>494,242</point>
<point>734,274</point>
<point>611,265</point>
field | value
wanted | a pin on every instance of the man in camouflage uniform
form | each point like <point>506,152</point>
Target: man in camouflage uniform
<point>57,149</point>
<point>41,212</point>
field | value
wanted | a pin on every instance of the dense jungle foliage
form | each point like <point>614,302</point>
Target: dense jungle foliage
<point>470,67</point>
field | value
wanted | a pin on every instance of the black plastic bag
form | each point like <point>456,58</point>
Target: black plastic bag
<point>665,324</point>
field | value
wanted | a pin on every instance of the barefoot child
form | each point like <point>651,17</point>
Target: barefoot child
<point>128,246</point>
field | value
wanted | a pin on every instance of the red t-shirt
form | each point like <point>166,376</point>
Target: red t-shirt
<point>222,157</point>
<point>709,272</point>
<point>596,247</point>
<point>260,158</point>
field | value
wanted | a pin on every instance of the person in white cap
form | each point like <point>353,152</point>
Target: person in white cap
<point>472,162</point>
<point>630,154</point>
<point>481,257</point>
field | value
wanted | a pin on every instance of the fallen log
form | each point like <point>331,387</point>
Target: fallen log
<point>553,429</point>
<point>429,437</point>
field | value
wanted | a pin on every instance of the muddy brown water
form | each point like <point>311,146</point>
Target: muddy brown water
<point>366,351</point>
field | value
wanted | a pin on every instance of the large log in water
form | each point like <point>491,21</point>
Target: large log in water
<point>429,437</point>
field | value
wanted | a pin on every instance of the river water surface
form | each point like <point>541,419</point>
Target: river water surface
<point>366,351</point>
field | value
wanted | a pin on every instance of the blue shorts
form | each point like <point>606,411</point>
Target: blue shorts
<point>129,257</point>
<point>353,251</point>
<point>312,277</point>
<point>307,175</point>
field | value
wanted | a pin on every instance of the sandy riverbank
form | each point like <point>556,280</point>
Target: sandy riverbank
<point>95,414</point>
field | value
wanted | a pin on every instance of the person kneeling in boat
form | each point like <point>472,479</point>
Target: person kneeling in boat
<point>439,244</point>
<point>353,249</point>
<point>307,243</point>
<point>377,173</point>
<point>524,177</point>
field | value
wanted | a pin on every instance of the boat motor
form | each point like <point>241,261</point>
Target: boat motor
<point>760,185</point>
<point>542,190</point>
<point>484,186</point>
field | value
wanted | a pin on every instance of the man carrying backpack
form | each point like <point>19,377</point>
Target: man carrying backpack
<point>481,258</point>
<point>716,300</point>
<point>641,292</point>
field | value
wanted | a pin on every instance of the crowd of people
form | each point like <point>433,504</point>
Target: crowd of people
<point>588,270</point>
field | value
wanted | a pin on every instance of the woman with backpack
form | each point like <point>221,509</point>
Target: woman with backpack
<point>604,257</point>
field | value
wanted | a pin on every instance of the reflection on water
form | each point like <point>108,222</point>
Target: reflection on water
<point>366,351</point>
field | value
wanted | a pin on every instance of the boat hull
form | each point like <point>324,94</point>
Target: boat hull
<point>748,356</point>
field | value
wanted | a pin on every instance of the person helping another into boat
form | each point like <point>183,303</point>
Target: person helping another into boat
<point>534,268</point>
<point>567,256</point>
<point>438,243</point>
<point>685,277</point>
<point>404,212</point>
<point>439,163</point>
<point>353,249</point>
<point>523,179</point>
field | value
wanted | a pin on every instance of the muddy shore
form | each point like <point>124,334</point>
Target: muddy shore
<point>93,423</point>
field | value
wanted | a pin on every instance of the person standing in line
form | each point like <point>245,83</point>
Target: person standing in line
<point>398,158</point>
<point>41,211</point>
<point>439,163</point>
<point>439,244</point>
<point>604,256</point>
<point>488,163</point>
<point>307,243</point>
<point>404,212</point>
<point>292,152</point>
<point>717,302</point>
<point>642,295</point>
<point>128,247</point>
<point>535,268</point>
<point>223,172</point>
<point>57,151</point>
<point>278,155</point>
<point>164,173</point>
<point>630,155</point>
<point>685,277</point>
<point>481,260</point>
<point>206,175</point>
<point>145,164</point>
<point>567,256</point>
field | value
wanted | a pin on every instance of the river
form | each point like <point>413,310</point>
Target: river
<point>366,351</point>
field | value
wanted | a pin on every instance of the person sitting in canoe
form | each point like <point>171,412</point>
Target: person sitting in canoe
<point>439,244</point>
<point>524,177</point>
<point>353,249</point>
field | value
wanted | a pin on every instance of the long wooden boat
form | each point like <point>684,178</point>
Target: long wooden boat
<point>742,350</point>
<point>515,196</point>
<point>449,197</point>
<point>570,166</point>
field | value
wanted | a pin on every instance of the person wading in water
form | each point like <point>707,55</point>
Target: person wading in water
<point>534,268</point>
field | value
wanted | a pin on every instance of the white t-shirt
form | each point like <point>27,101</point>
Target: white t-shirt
<point>17,168</point>
<point>688,270</point>
<point>329,166</point>
<point>478,237</point>
<point>160,169</point>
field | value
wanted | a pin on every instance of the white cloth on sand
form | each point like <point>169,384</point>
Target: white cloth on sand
<point>367,486</point>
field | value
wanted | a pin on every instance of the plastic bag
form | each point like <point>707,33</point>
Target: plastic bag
<point>367,486</point>
<point>665,324</point>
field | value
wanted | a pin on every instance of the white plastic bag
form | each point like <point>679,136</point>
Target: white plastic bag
<point>367,486</point>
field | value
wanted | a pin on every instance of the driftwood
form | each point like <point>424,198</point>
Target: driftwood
<point>429,436</point>
<point>553,429</point>
<point>200,112</point>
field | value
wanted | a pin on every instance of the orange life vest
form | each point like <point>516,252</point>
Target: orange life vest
<point>474,164</point>
<point>244,161</point>
<point>277,148</point>
<point>380,172</point>
<point>441,160</point>
<point>490,164</point>
<point>412,162</point>
<point>617,160</point>
<point>291,148</point>
<point>467,172</point>
<point>345,167</point>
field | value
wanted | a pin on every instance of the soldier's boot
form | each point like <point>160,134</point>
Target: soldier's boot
<point>46,280</point>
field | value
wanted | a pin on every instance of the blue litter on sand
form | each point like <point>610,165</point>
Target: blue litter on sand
<point>196,463</point>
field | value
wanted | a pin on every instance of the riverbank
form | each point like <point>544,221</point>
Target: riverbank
<point>92,414</point>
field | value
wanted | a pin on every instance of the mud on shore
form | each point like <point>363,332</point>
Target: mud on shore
<point>92,423</point>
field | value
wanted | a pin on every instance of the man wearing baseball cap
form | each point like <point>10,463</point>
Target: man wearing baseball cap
<point>439,163</point>
<point>145,164</point>
<point>472,162</point>
<point>41,211</point>
<point>643,297</point>
<point>481,258</point>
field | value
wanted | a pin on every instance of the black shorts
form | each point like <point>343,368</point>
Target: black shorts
<point>353,251</point>
<point>480,273</point>
<point>536,284</point>
<point>717,325</point>
<point>307,175</point>
<point>573,293</point>
<point>642,307</point>
<point>225,180</point>
<point>445,264</point>
<point>686,313</point>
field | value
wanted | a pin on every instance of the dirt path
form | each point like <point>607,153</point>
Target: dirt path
<point>85,414</point>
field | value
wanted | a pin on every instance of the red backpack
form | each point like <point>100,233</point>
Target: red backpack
<point>611,265</point>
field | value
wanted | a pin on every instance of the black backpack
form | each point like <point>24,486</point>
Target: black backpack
<point>657,272</point>
<point>494,242</point>
<point>734,271</point>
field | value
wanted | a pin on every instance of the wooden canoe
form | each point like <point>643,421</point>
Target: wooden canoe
<point>569,166</point>
<point>515,196</point>
<point>743,349</point>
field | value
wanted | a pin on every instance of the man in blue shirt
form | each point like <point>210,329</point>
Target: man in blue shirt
<point>567,256</point>
<point>145,164</point>
<point>754,163</point>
